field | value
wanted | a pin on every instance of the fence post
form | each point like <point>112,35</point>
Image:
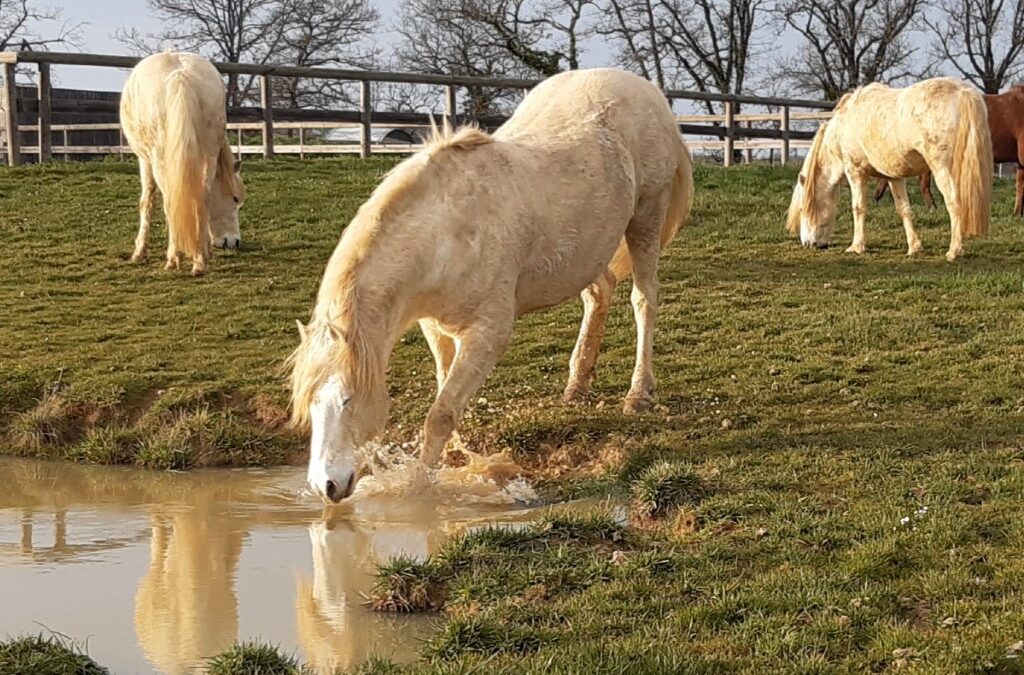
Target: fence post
<point>729,136</point>
<point>239,135</point>
<point>785,135</point>
<point>365,118</point>
<point>748,154</point>
<point>67,142</point>
<point>267,102</point>
<point>45,118</point>
<point>449,104</point>
<point>11,116</point>
<point>302,142</point>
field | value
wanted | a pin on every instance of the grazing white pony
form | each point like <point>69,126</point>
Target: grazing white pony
<point>174,116</point>
<point>587,182</point>
<point>938,125</point>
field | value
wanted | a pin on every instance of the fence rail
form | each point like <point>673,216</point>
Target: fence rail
<point>731,132</point>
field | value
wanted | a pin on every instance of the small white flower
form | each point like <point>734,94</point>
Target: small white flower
<point>904,520</point>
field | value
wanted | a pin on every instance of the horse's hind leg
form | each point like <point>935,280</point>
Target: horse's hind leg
<point>596,299</point>
<point>924,182</point>
<point>145,209</point>
<point>1018,204</point>
<point>899,196</point>
<point>480,347</point>
<point>947,187</point>
<point>858,192</point>
<point>883,185</point>
<point>644,249</point>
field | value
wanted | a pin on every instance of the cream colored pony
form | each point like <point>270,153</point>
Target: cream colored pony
<point>588,181</point>
<point>174,117</point>
<point>939,125</point>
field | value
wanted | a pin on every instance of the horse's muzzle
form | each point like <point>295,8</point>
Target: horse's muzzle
<point>336,492</point>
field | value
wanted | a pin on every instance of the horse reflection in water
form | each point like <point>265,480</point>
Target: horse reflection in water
<point>335,628</point>
<point>186,609</point>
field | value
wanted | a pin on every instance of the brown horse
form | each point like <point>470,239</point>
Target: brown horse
<point>1006,123</point>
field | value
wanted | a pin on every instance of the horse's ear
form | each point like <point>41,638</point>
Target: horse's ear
<point>335,333</point>
<point>803,180</point>
<point>238,166</point>
<point>303,333</point>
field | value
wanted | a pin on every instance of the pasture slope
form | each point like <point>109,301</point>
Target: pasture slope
<point>833,480</point>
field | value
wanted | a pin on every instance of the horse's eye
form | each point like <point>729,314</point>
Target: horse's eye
<point>237,200</point>
<point>344,402</point>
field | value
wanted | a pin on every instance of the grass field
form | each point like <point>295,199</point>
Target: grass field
<point>833,480</point>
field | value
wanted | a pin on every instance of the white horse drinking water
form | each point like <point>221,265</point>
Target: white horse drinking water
<point>587,182</point>
<point>174,117</point>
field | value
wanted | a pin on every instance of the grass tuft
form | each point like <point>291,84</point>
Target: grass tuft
<point>664,487</point>
<point>47,425</point>
<point>404,584</point>
<point>40,655</point>
<point>474,635</point>
<point>252,658</point>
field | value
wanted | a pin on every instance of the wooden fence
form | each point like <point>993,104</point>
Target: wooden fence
<point>730,132</point>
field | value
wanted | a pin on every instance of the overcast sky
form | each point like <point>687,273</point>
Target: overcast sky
<point>102,17</point>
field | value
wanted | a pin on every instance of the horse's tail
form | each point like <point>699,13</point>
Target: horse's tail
<point>184,168</point>
<point>679,205</point>
<point>972,165</point>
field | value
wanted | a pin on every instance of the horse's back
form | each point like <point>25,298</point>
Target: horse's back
<point>573,104</point>
<point>150,85</point>
<point>900,131</point>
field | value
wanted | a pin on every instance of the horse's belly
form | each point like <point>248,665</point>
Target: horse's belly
<point>551,282</point>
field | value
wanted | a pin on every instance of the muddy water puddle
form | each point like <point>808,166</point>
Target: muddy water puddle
<point>158,571</point>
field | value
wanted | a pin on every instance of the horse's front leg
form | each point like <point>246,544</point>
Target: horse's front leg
<point>145,209</point>
<point>480,347</point>
<point>899,195</point>
<point>858,191</point>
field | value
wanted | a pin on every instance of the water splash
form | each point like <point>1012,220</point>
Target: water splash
<point>493,479</point>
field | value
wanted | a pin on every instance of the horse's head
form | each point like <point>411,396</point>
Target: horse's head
<point>345,404</point>
<point>812,209</point>
<point>226,197</point>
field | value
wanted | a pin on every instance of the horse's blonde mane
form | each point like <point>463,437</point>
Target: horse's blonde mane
<point>808,206</point>
<point>401,180</point>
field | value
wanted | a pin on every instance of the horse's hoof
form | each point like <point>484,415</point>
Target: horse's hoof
<point>139,257</point>
<point>953,255</point>
<point>575,396</point>
<point>914,250</point>
<point>198,271</point>
<point>171,265</point>
<point>634,405</point>
<point>854,248</point>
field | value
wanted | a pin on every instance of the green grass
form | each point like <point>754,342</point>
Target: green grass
<point>252,658</point>
<point>40,655</point>
<point>860,420</point>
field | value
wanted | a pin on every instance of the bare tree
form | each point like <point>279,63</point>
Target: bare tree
<point>438,37</point>
<point>632,25</point>
<point>709,45</point>
<point>27,25</point>
<point>235,31</point>
<point>321,33</point>
<point>848,43</point>
<point>981,39</point>
<point>545,37</point>
<point>713,42</point>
